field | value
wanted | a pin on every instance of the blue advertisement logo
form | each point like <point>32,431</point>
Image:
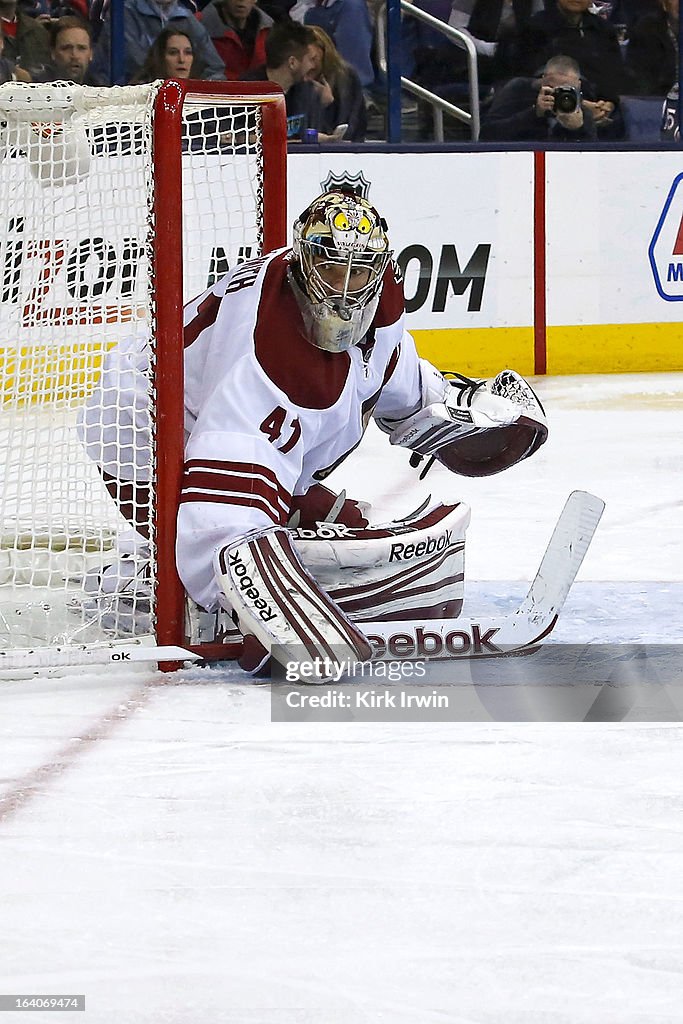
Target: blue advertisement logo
<point>666,247</point>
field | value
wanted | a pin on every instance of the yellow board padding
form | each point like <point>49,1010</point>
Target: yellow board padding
<point>46,372</point>
<point>615,348</point>
<point>590,348</point>
<point>54,372</point>
<point>480,351</point>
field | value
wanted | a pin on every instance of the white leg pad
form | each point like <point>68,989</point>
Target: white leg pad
<point>278,602</point>
<point>408,569</point>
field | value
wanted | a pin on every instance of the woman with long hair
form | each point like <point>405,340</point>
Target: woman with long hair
<point>170,56</point>
<point>340,89</point>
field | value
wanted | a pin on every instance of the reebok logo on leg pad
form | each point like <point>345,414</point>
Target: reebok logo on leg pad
<point>246,585</point>
<point>279,603</point>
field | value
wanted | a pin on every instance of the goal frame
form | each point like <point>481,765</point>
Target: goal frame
<point>167,244</point>
<point>158,208</point>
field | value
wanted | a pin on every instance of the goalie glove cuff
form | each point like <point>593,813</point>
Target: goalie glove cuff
<point>433,390</point>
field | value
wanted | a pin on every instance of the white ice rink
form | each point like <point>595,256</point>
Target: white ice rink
<point>171,853</point>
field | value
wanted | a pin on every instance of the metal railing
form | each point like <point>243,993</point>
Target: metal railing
<point>438,103</point>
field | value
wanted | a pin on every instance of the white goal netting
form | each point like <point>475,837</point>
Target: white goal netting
<point>80,275</point>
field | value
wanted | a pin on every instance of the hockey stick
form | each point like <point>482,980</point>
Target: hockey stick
<point>73,657</point>
<point>531,622</point>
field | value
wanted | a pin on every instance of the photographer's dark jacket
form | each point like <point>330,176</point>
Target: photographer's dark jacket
<point>592,43</point>
<point>512,117</point>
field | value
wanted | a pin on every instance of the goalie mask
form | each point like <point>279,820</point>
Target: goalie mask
<point>341,251</point>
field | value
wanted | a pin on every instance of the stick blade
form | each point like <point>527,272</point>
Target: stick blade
<point>532,621</point>
<point>537,615</point>
<point>563,556</point>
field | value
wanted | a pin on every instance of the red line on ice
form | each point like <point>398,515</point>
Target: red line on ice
<point>35,781</point>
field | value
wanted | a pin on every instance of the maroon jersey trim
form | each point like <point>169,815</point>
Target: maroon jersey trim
<point>311,378</point>
<point>206,314</point>
<point>391,301</point>
<point>250,501</point>
<point>242,469</point>
<point>236,483</point>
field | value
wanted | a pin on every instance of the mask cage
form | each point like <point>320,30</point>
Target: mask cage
<point>316,255</point>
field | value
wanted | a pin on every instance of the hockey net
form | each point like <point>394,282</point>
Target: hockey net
<point>119,205</point>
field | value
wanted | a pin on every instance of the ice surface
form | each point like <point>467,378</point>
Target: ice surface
<point>171,853</point>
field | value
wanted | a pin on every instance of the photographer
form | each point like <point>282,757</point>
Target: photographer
<point>545,109</point>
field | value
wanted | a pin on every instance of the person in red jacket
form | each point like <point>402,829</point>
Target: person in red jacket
<point>238,30</point>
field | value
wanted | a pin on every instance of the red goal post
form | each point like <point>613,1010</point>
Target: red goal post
<point>170,593</point>
<point>123,204</point>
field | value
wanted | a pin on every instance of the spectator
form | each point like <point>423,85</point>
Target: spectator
<point>523,110</point>
<point>170,56</point>
<point>71,52</point>
<point>144,20</point>
<point>567,27</point>
<point>495,27</point>
<point>99,10</point>
<point>492,25</point>
<point>340,90</point>
<point>9,72</point>
<point>27,42</point>
<point>290,59</point>
<point>428,56</point>
<point>441,66</point>
<point>671,129</point>
<point>652,51</point>
<point>238,30</point>
<point>348,24</point>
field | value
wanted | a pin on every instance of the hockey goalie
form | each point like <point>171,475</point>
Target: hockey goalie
<point>286,359</point>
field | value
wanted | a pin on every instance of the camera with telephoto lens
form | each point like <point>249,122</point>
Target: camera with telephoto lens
<point>566,99</point>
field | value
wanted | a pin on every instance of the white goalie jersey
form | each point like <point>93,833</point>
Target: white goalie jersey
<point>268,414</point>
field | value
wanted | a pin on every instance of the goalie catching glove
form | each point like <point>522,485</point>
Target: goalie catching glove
<point>473,427</point>
<point>280,608</point>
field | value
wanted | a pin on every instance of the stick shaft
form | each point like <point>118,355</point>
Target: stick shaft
<point>68,657</point>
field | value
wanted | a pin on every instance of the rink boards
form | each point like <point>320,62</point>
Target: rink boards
<point>561,262</point>
<point>558,262</point>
